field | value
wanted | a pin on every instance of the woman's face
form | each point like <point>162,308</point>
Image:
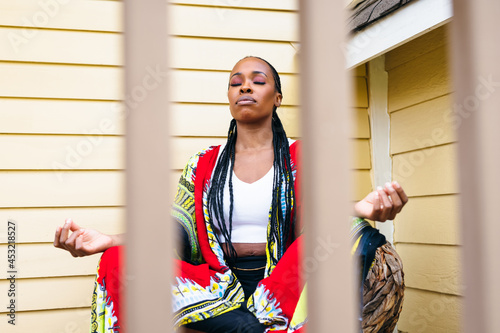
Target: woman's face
<point>252,95</point>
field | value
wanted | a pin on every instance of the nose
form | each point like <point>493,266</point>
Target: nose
<point>245,88</point>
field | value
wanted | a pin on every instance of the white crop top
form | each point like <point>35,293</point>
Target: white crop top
<point>251,206</point>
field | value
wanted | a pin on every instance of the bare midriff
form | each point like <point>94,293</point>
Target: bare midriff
<point>248,249</point>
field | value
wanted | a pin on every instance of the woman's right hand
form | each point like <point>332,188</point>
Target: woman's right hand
<point>82,242</point>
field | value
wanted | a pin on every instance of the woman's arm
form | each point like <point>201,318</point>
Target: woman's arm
<point>383,204</point>
<point>84,242</point>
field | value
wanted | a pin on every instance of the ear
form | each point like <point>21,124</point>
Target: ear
<point>277,100</point>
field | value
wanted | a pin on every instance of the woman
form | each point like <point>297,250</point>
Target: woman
<point>238,267</point>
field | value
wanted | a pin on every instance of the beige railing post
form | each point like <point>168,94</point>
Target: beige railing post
<point>149,243</point>
<point>475,53</point>
<point>326,178</point>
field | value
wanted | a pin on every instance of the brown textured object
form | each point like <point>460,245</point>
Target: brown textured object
<point>383,291</point>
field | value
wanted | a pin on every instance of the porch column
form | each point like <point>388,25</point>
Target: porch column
<point>475,51</point>
<point>326,177</point>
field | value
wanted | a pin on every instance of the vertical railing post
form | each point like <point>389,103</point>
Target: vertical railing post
<point>326,177</point>
<point>475,52</point>
<point>148,241</point>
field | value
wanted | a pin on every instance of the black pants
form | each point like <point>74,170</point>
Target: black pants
<point>249,271</point>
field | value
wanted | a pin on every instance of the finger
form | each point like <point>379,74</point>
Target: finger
<point>397,205</point>
<point>80,250</point>
<point>64,233</point>
<point>74,226</point>
<point>79,243</point>
<point>386,203</point>
<point>377,206</point>
<point>70,242</point>
<point>401,192</point>
<point>56,237</point>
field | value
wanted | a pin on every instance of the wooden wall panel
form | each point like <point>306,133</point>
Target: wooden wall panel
<point>35,260</point>
<point>429,171</point>
<point>361,121</point>
<point>38,225</point>
<point>429,220</point>
<point>51,321</point>
<point>61,188</point>
<point>52,293</point>
<point>228,23</point>
<point>432,267</point>
<point>416,48</point>
<point>52,116</point>
<point>430,312</point>
<point>61,81</point>
<point>419,80</point>
<point>205,53</point>
<point>71,15</point>
<point>423,125</point>
<point>41,152</point>
<point>281,5</point>
<point>424,162</point>
<point>61,46</point>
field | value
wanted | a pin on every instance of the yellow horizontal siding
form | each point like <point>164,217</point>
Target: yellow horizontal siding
<point>233,23</point>
<point>360,92</point>
<point>47,116</point>
<point>38,225</point>
<point>430,219</point>
<point>61,81</point>
<point>428,171</point>
<point>51,321</point>
<point>362,184</point>
<point>361,154</point>
<point>430,312</point>
<point>282,55</point>
<point>425,163</point>
<point>259,4</point>
<point>45,260</point>
<point>416,48</point>
<point>41,152</point>
<point>53,189</point>
<point>419,80</point>
<point>432,267</point>
<point>51,293</point>
<point>361,124</point>
<point>60,65</point>
<point>72,15</point>
<point>61,46</point>
<point>423,125</point>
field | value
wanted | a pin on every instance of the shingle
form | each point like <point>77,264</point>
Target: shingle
<point>370,11</point>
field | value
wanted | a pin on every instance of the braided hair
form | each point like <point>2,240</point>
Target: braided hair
<point>282,221</point>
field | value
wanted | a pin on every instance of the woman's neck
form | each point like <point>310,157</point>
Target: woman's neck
<point>253,138</point>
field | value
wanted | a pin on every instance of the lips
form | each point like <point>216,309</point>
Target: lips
<point>244,100</point>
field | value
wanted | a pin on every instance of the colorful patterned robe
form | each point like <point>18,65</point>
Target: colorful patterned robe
<point>205,286</point>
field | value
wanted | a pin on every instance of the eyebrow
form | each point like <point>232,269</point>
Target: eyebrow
<point>254,72</point>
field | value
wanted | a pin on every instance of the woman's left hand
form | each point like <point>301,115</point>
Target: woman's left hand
<point>383,204</point>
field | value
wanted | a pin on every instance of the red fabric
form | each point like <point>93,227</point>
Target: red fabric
<point>198,273</point>
<point>296,156</point>
<point>204,169</point>
<point>110,274</point>
<point>285,280</point>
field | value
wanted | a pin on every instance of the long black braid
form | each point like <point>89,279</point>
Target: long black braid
<point>282,221</point>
